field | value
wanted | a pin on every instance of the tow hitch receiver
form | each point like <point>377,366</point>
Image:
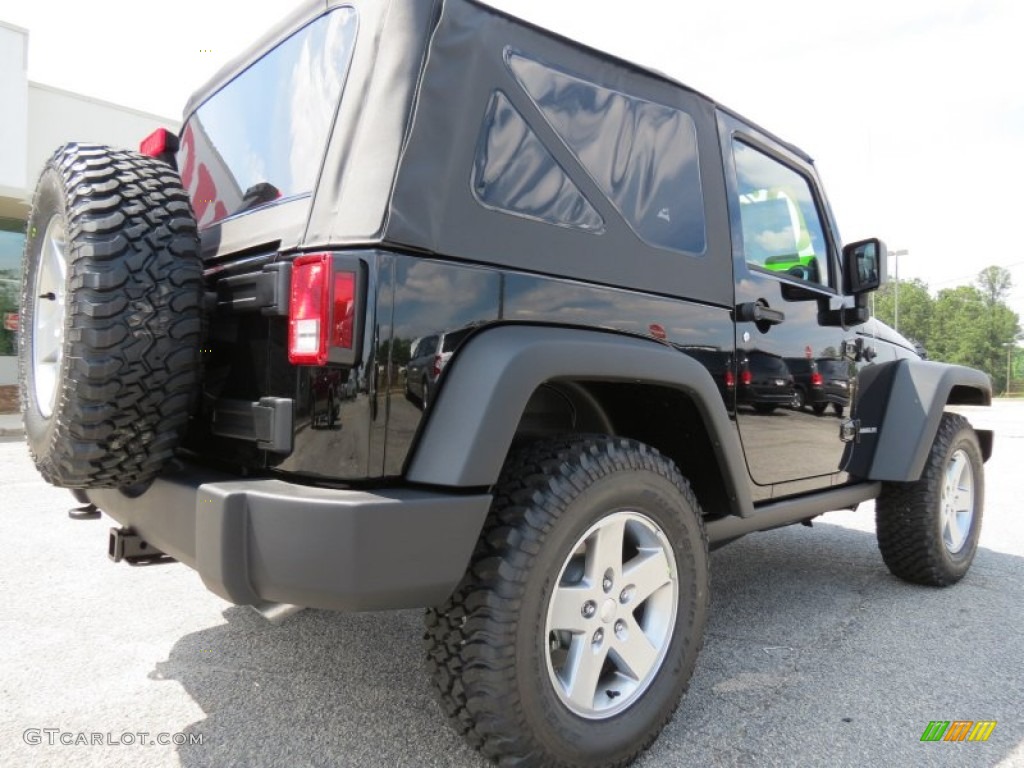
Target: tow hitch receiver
<point>125,544</point>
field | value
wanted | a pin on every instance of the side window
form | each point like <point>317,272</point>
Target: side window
<point>782,230</point>
<point>641,154</point>
<point>515,173</point>
<point>427,347</point>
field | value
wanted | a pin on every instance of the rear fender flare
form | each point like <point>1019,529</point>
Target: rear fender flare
<point>487,385</point>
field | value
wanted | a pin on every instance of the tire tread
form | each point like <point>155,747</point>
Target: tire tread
<point>132,339</point>
<point>905,516</point>
<point>468,640</point>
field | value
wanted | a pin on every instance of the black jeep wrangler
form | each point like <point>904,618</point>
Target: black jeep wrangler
<point>219,331</point>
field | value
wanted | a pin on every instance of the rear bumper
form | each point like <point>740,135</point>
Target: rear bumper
<point>257,541</point>
<point>829,398</point>
<point>770,397</point>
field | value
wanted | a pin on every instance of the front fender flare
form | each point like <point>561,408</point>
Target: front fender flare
<point>899,407</point>
<point>474,417</point>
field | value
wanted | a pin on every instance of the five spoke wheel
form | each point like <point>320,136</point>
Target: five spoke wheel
<point>957,504</point>
<point>610,618</point>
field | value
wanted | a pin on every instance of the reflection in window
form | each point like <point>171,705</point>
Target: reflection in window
<point>12,243</point>
<point>782,231</point>
<point>262,136</point>
<point>642,155</point>
<point>514,172</point>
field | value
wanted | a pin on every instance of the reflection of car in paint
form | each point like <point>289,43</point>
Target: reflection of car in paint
<point>325,391</point>
<point>817,383</point>
<point>764,382</point>
<point>719,363</point>
<point>835,389</point>
<point>427,359</point>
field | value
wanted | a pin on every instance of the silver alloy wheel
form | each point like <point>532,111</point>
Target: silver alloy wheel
<point>957,503</point>
<point>48,296</point>
<point>611,616</point>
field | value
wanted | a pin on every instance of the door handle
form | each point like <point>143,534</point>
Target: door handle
<point>758,312</point>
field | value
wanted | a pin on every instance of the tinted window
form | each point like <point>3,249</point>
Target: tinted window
<point>515,173</point>
<point>782,231</point>
<point>765,364</point>
<point>427,346</point>
<point>262,136</point>
<point>834,368</point>
<point>453,339</point>
<point>642,155</point>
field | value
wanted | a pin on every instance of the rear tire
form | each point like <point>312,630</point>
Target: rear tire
<point>928,530</point>
<point>112,290</point>
<point>511,672</point>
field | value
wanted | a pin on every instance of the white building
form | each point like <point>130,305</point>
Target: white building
<point>36,120</point>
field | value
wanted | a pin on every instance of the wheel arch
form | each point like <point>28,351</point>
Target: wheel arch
<point>900,405</point>
<point>515,381</point>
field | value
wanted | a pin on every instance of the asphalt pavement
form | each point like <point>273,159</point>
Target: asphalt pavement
<point>814,655</point>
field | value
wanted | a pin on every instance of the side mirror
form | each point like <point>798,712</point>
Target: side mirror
<point>864,265</point>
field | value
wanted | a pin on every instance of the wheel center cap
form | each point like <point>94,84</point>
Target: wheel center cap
<point>608,611</point>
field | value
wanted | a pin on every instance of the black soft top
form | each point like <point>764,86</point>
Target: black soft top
<point>403,164</point>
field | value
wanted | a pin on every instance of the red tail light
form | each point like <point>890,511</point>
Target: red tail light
<point>158,142</point>
<point>307,310</point>
<point>746,378</point>
<point>730,379</point>
<point>437,365</point>
<point>322,312</point>
<point>344,309</point>
<point>816,380</point>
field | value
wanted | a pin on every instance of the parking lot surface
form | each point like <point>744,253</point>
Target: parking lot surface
<point>814,655</point>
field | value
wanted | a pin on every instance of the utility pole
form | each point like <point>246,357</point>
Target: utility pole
<point>894,255</point>
<point>1010,347</point>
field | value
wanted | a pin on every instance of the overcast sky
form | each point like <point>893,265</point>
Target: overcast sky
<point>912,109</point>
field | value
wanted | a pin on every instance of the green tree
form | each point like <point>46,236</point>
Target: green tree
<point>957,331</point>
<point>916,309</point>
<point>995,283</point>
<point>1002,324</point>
<point>972,325</point>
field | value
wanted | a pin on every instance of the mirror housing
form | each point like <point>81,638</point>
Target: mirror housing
<point>864,266</point>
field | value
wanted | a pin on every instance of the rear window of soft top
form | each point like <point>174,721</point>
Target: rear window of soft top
<point>261,138</point>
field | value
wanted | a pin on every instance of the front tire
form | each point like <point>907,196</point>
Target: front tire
<point>928,530</point>
<point>577,626</point>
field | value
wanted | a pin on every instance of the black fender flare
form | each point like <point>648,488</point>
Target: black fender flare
<point>899,407</point>
<point>486,386</point>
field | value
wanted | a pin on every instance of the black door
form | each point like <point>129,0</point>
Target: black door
<point>787,279</point>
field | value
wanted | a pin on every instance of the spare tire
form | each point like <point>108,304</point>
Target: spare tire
<point>111,317</point>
